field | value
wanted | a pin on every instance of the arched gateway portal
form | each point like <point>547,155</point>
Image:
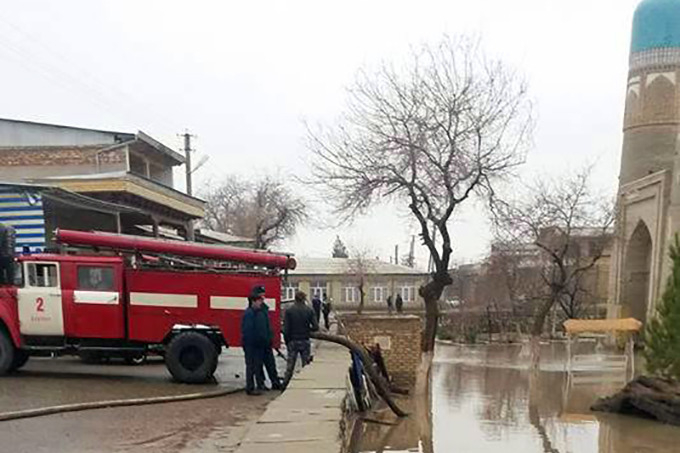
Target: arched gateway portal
<point>637,267</point>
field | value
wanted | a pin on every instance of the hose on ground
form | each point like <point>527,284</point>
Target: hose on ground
<point>76,407</point>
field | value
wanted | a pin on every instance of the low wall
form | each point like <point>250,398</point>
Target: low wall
<point>399,337</point>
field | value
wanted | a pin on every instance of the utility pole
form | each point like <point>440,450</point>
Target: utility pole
<point>189,189</point>
<point>187,165</point>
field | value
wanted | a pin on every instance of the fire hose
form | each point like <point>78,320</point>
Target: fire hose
<point>76,407</point>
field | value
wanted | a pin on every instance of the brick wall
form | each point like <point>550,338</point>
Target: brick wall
<point>39,156</point>
<point>399,337</point>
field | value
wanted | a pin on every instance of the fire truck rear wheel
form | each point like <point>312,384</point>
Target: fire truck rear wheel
<point>7,353</point>
<point>191,357</point>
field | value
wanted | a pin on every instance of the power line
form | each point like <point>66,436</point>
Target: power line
<point>94,86</point>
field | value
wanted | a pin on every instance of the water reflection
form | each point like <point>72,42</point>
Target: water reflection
<point>484,400</point>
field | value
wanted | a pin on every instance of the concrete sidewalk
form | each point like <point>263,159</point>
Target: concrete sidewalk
<point>307,416</point>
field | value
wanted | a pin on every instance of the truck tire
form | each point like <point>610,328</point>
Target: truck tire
<point>191,358</point>
<point>7,353</point>
<point>20,359</point>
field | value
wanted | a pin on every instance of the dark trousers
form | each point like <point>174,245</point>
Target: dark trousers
<point>254,361</point>
<point>325,320</point>
<point>303,348</point>
<point>270,364</point>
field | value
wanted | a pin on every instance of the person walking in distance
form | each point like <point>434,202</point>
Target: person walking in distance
<point>316,305</point>
<point>326,310</point>
<point>389,304</point>
<point>255,338</point>
<point>399,303</point>
<point>298,322</point>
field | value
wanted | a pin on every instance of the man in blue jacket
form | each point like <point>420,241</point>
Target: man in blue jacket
<point>255,338</point>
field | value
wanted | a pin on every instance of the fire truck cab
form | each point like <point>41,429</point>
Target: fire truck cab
<point>127,303</point>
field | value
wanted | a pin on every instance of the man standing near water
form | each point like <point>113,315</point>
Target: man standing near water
<point>298,322</point>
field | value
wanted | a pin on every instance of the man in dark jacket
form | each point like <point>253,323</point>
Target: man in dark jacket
<point>268,357</point>
<point>399,304</point>
<point>326,310</point>
<point>316,305</point>
<point>255,338</point>
<point>298,322</point>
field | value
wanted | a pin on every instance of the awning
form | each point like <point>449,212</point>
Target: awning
<point>576,326</point>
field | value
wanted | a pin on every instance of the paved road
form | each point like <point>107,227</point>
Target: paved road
<point>206,426</point>
<point>47,382</point>
<point>212,425</point>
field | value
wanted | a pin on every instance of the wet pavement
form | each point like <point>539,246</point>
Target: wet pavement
<point>484,400</point>
<point>211,425</point>
<point>66,380</point>
<point>206,426</point>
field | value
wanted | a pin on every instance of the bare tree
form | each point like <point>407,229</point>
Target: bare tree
<point>359,268</point>
<point>556,217</point>
<point>429,134</point>
<point>264,209</point>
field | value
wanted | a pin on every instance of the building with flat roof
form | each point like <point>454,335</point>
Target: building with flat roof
<point>127,169</point>
<point>338,280</point>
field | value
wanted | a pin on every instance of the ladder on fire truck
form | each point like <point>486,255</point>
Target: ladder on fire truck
<point>143,245</point>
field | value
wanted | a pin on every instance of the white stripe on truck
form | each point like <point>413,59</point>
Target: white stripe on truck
<point>235,303</point>
<point>95,297</point>
<point>164,300</point>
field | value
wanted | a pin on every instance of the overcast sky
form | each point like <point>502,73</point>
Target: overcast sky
<point>243,76</point>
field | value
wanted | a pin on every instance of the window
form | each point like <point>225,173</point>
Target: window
<point>408,293</point>
<point>350,294</point>
<point>288,292</point>
<point>42,275</point>
<point>378,293</point>
<point>18,275</point>
<point>96,278</point>
<point>320,289</point>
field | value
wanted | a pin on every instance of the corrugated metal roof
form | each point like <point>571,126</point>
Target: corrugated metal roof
<point>223,237</point>
<point>343,266</point>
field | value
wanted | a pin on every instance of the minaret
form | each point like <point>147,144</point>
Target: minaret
<point>649,184</point>
<point>652,115</point>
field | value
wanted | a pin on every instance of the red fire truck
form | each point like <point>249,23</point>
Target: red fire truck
<point>134,296</point>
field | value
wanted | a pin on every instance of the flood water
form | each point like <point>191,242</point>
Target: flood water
<point>482,401</point>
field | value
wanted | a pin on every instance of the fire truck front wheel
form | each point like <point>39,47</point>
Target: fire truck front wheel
<point>20,359</point>
<point>191,358</point>
<point>7,353</point>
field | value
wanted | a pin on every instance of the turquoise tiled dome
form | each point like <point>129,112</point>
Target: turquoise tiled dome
<point>656,25</point>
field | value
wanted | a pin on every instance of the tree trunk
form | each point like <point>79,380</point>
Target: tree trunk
<point>430,293</point>
<point>423,413</point>
<point>537,330</point>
